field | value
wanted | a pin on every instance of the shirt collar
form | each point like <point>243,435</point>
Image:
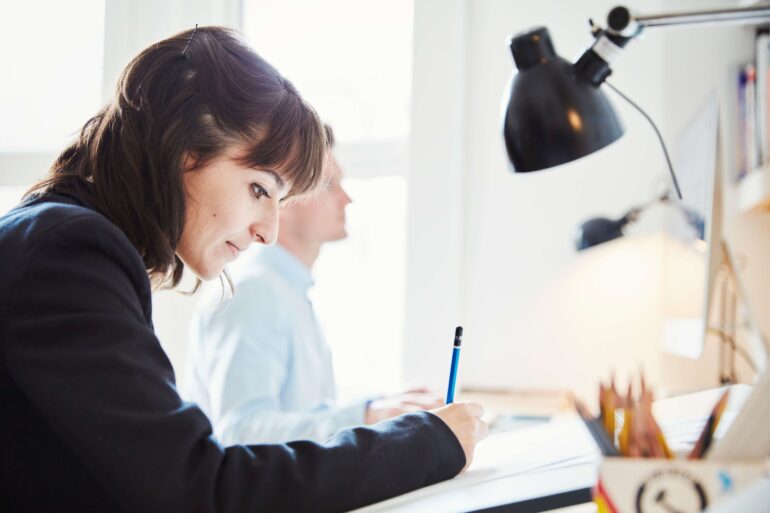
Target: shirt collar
<point>288,266</point>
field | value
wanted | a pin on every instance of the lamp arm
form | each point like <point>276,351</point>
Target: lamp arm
<point>623,26</point>
<point>657,133</point>
<point>716,16</point>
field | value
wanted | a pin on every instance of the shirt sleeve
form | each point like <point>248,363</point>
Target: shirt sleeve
<point>81,347</point>
<point>244,345</point>
<point>265,426</point>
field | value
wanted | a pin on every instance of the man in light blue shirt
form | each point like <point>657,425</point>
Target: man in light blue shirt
<point>258,363</point>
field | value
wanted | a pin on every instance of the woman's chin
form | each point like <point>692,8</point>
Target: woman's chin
<point>203,269</point>
<point>206,273</point>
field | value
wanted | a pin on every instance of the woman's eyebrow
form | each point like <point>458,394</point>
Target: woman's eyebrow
<point>276,177</point>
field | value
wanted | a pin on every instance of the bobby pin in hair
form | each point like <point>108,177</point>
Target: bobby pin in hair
<point>191,38</point>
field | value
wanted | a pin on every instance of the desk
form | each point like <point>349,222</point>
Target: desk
<point>589,507</point>
<point>550,466</point>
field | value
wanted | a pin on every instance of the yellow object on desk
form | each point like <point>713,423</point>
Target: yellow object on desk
<point>652,480</point>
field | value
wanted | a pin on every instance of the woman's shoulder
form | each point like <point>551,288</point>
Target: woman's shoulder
<point>64,223</point>
<point>51,214</point>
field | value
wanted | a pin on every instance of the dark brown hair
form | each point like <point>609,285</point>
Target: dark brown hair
<point>187,97</point>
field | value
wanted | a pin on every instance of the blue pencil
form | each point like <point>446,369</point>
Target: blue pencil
<point>450,393</point>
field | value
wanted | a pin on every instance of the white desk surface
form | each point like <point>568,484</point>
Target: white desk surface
<point>588,507</point>
<point>547,459</point>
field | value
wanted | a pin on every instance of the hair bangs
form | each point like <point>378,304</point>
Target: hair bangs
<point>293,145</point>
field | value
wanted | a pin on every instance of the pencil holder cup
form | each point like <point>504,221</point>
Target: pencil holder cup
<point>649,485</point>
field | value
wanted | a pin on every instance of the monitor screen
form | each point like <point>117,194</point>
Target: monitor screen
<point>693,248</point>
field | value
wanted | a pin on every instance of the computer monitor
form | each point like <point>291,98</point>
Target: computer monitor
<point>693,252</point>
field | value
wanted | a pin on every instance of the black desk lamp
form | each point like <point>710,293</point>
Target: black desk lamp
<point>599,230</point>
<point>555,111</point>
<point>553,116</point>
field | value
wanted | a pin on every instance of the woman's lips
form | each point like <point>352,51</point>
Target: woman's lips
<point>233,249</point>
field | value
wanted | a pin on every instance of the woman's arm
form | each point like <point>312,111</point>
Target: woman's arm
<point>80,346</point>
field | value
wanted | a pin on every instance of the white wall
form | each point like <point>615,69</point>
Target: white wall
<point>511,248</point>
<point>131,25</point>
<point>435,211</point>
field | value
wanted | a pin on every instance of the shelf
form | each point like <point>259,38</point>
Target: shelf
<point>754,191</point>
<point>752,3</point>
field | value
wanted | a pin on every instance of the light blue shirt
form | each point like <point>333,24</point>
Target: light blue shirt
<point>258,363</point>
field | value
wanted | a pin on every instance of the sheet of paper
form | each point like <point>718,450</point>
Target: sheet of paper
<point>748,437</point>
<point>550,458</point>
<point>561,444</point>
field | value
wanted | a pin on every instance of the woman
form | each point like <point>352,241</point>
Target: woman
<point>185,167</point>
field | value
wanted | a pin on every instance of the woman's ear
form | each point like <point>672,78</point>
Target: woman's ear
<point>190,161</point>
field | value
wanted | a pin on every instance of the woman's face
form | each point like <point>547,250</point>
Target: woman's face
<point>229,206</point>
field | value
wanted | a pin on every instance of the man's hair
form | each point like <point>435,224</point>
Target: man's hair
<point>330,141</point>
<point>177,105</point>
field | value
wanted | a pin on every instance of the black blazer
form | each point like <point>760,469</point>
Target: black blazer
<point>90,419</point>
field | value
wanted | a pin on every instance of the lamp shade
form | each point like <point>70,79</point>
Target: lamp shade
<point>552,116</point>
<point>600,229</point>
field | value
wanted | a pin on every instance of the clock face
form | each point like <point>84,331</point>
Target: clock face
<point>670,491</point>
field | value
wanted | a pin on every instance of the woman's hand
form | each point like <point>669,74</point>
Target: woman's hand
<point>464,419</point>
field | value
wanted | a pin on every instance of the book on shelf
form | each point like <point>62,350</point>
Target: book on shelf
<point>754,108</point>
<point>762,59</point>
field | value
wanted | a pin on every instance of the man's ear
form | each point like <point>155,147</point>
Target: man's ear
<point>285,212</point>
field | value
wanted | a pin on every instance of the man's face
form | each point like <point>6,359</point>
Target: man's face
<point>320,217</point>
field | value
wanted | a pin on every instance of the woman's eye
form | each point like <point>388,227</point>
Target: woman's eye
<point>258,191</point>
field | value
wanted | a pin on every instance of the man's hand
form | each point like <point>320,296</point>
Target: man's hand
<point>408,402</point>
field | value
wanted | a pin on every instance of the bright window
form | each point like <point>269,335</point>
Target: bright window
<point>352,61</point>
<point>52,72</point>
<point>359,292</point>
<point>10,196</point>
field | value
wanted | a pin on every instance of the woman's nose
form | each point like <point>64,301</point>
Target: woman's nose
<point>265,228</point>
